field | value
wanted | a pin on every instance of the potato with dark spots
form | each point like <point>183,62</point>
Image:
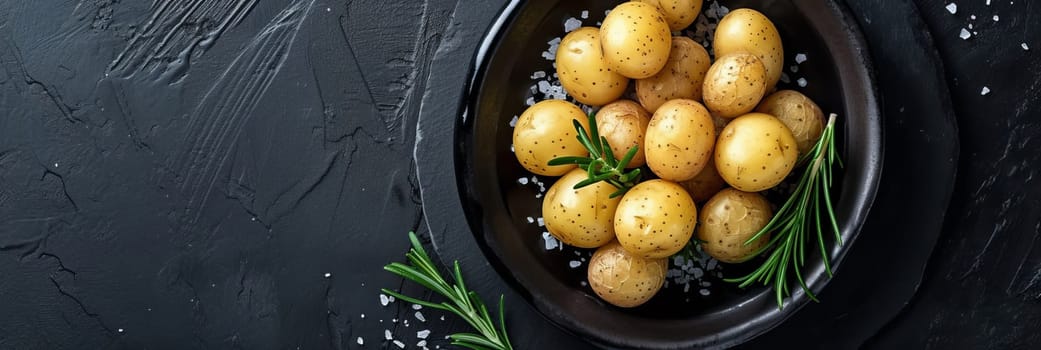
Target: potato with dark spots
<point>730,219</point>
<point>636,40</point>
<point>679,13</point>
<point>622,278</point>
<point>546,131</point>
<point>747,30</point>
<point>582,71</point>
<point>734,85</point>
<point>581,217</point>
<point>802,116</point>
<point>679,140</point>
<point>755,152</point>
<point>655,219</point>
<point>624,124</point>
<point>706,184</point>
<point>682,76</point>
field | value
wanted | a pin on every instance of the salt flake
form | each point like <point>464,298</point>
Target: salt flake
<point>952,8</point>
<point>964,34</point>
<point>985,91</point>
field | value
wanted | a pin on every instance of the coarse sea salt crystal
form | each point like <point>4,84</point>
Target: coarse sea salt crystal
<point>386,334</point>
<point>399,344</point>
<point>551,242</point>
<point>542,222</point>
<point>996,18</point>
<point>785,79</point>
<point>1024,46</point>
<point>417,307</point>
<point>423,334</point>
<point>801,82</point>
<point>538,75</point>
<point>574,263</point>
<point>513,122</point>
<point>800,58</point>
<point>422,343</point>
<point>985,91</point>
<point>704,292</point>
<point>420,317</point>
<point>531,220</point>
<point>384,300</point>
<point>585,14</point>
<point>964,34</point>
<point>361,341</point>
<point>952,8</point>
<point>522,181</point>
<point>972,17</point>
<point>571,24</point>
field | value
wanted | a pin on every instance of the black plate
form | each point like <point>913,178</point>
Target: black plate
<point>498,207</point>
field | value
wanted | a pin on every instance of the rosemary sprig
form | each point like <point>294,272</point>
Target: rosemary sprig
<point>807,213</point>
<point>601,165</point>
<point>462,302</point>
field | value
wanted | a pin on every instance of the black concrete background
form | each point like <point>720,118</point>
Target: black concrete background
<point>235,173</point>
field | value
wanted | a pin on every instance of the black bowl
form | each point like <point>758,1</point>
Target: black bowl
<point>500,208</point>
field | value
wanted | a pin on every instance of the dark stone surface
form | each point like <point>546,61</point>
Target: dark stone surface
<point>184,174</point>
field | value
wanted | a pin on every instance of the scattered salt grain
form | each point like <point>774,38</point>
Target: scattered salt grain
<point>538,75</point>
<point>361,341</point>
<point>571,24</point>
<point>801,82</point>
<point>970,25</point>
<point>422,343</point>
<point>513,121</point>
<point>522,181</point>
<point>417,307</point>
<point>423,334</point>
<point>384,300</point>
<point>386,334</point>
<point>120,330</point>
<point>399,344</point>
<point>988,2</point>
<point>952,8</point>
<point>794,69</point>
<point>583,283</point>
<point>551,242</point>
<point>542,222</point>
<point>531,220</point>
<point>996,18</point>
<point>1024,46</point>
<point>574,263</point>
<point>704,292</point>
<point>420,317</point>
<point>585,14</point>
<point>800,58</point>
<point>964,34</point>
<point>362,315</point>
<point>985,91</point>
<point>442,317</point>
<point>785,79</point>
<point>327,275</point>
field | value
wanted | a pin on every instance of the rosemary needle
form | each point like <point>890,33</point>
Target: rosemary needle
<point>460,301</point>
<point>601,165</point>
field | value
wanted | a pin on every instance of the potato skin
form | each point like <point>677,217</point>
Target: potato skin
<point>755,152</point>
<point>655,219</point>
<point>582,71</point>
<point>584,217</point>
<point>635,39</point>
<point>624,279</point>
<point>706,184</point>
<point>679,140</point>
<point>624,124</point>
<point>747,30</point>
<point>682,77</point>
<point>679,13</point>
<point>734,84</point>
<point>545,131</point>
<point>728,220</point>
<point>803,117</point>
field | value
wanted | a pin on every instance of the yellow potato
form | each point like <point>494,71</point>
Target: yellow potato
<point>734,84</point>
<point>584,217</point>
<point>546,131</point>
<point>755,152</point>
<point>729,220</point>
<point>582,71</point>
<point>655,219</point>
<point>624,123</point>
<point>803,117</point>
<point>624,279</point>
<point>747,30</point>
<point>679,140</point>
<point>635,39</point>
<point>679,13</point>
<point>706,184</point>
<point>682,76</point>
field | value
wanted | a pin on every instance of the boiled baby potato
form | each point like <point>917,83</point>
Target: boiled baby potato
<point>624,279</point>
<point>546,131</point>
<point>581,217</point>
<point>729,220</point>
<point>747,30</point>
<point>803,117</point>
<point>655,219</point>
<point>682,76</point>
<point>582,71</point>
<point>679,13</point>
<point>734,84</point>
<point>635,39</point>
<point>706,184</point>
<point>755,152</point>
<point>624,124</point>
<point>679,140</point>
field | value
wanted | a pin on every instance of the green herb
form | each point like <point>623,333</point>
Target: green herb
<point>462,302</point>
<point>807,213</point>
<point>601,163</point>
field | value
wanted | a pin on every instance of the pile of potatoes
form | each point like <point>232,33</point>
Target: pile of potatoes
<point>713,133</point>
